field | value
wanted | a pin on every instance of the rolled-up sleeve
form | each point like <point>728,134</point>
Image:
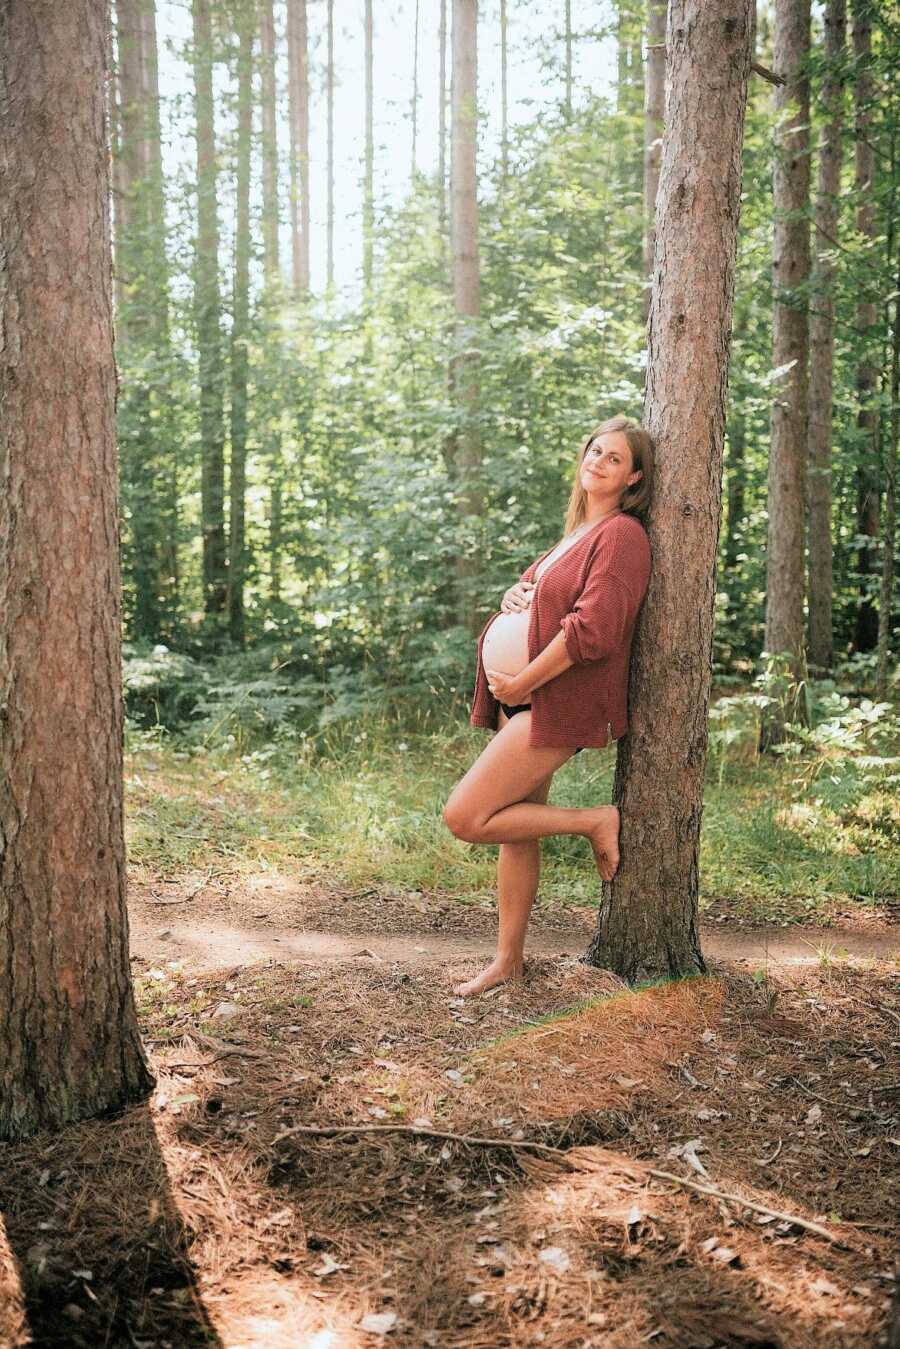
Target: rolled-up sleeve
<point>601,617</point>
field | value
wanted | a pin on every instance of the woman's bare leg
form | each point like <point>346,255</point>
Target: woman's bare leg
<point>502,799</point>
<point>492,803</point>
<point>518,874</point>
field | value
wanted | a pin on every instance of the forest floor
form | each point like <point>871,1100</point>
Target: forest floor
<point>566,1162</point>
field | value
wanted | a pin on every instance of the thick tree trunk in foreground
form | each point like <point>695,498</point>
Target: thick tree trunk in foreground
<point>648,925</point>
<point>466,296</point>
<point>785,573</point>
<point>69,1045</point>
<point>298,98</point>
<point>206,319</point>
<point>654,106</point>
<point>867,472</point>
<point>821,344</point>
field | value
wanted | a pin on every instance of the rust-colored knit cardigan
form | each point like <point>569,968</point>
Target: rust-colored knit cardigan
<point>593,592</point>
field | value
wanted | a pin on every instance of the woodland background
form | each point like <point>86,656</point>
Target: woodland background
<point>320,505</point>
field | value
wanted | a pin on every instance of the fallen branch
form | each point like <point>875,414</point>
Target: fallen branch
<point>331,1131</point>
<point>748,1203</point>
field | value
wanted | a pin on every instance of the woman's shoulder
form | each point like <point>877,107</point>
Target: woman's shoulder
<point>627,532</point>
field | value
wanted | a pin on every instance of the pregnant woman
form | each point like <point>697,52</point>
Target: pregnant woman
<point>552,678</point>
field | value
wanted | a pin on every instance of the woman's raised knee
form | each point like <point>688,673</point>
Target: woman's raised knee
<point>460,822</point>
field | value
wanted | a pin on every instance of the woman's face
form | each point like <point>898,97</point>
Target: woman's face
<point>607,466</point>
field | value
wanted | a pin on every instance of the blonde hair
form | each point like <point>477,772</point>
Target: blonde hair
<point>635,499</point>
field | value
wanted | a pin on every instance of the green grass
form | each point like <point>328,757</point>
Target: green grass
<point>782,838</point>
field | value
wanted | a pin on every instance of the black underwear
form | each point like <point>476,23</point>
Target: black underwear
<point>525,707</point>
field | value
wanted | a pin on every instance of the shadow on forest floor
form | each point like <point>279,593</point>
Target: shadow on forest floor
<point>211,1213</point>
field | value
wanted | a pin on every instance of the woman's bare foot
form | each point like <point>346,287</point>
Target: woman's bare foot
<point>498,972</point>
<point>604,839</point>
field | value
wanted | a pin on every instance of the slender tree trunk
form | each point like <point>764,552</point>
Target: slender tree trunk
<point>415,93</point>
<point>69,1042</point>
<point>467,301</point>
<point>240,326</point>
<point>649,924</point>
<point>158,297</point>
<point>298,94</point>
<point>206,318</point>
<point>442,123</point>
<point>867,484</point>
<point>890,511</point>
<point>329,95</point>
<point>568,35</point>
<point>271,262</point>
<point>504,94</point>
<point>272,271</point>
<point>787,457</point>
<point>737,477</point>
<point>135,327</point>
<point>821,343</point>
<point>369,176</point>
<point>654,100</point>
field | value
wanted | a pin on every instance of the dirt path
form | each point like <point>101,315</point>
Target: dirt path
<point>213,930</point>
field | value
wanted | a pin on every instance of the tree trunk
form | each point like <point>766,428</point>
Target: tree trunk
<point>890,510</point>
<point>69,1043</point>
<point>821,343</point>
<point>649,925</point>
<point>329,97</point>
<point>568,37</point>
<point>467,302</point>
<point>142,320</point>
<point>654,101</point>
<point>269,144</point>
<point>272,275</point>
<point>368,179</point>
<point>737,477</point>
<point>504,94</point>
<point>240,325</point>
<point>415,94</point>
<point>787,458</point>
<point>206,318</point>
<point>867,485</point>
<point>442,123</point>
<point>298,96</point>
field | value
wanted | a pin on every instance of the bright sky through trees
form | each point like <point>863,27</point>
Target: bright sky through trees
<point>536,53</point>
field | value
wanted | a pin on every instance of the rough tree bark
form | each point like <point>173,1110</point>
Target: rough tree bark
<point>240,326</point>
<point>890,505</point>
<point>466,296</point>
<point>785,572</point>
<point>272,276</point>
<point>821,342</point>
<point>69,1043</point>
<point>298,98</point>
<point>648,925</point>
<point>654,106</point>
<point>207,307</point>
<point>867,473</point>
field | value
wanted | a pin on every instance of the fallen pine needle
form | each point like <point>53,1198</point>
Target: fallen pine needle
<point>748,1203</point>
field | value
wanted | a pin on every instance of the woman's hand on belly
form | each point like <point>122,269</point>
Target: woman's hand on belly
<point>509,689</point>
<point>517,598</point>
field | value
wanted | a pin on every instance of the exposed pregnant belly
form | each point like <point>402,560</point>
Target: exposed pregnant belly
<point>505,644</point>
